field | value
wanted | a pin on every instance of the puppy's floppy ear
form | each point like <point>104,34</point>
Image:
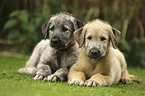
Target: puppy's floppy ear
<point>80,36</point>
<point>114,36</point>
<point>77,23</point>
<point>44,29</point>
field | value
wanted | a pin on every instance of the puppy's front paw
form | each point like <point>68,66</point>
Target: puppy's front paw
<point>42,72</point>
<point>54,78</point>
<point>90,83</point>
<point>76,82</point>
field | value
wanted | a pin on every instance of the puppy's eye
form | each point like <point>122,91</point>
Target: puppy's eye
<point>64,28</point>
<point>103,38</point>
<point>51,28</point>
<point>89,38</point>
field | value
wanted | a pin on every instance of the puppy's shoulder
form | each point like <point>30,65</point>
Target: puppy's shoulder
<point>115,52</point>
<point>118,53</point>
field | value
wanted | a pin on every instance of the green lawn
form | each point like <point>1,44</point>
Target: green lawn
<point>14,84</point>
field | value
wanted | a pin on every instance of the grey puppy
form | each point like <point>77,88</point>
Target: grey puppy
<point>52,58</point>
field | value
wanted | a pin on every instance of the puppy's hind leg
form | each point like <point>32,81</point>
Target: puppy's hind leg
<point>30,68</point>
<point>134,78</point>
<point>126,78</point>
<point>31,71</point>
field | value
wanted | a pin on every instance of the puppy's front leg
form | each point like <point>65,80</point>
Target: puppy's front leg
<point>42,71</point>
<point>59,75</point>
<point>76,77</point>
<point>98,80</point>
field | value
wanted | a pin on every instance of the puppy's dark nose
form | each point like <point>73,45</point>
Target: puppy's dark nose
<point>94,52</point>
<point>55,40</point>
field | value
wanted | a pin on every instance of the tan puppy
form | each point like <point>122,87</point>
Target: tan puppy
<point>99,62</point>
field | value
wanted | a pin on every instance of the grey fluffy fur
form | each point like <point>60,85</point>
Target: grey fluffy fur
<point>46,61</point>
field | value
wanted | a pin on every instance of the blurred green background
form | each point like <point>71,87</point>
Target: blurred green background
<point>21,20</point>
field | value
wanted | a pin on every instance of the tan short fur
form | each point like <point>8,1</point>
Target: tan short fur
<point>103,71</point>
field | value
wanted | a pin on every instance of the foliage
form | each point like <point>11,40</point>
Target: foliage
<point>124,47</point>
<point>23,26</point>
<point>133,51</point>
<point>137,54</point>
<point>24,30</point>
<point>14,84</point>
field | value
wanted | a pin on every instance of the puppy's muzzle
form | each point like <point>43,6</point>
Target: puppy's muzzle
<point>94,53</point>
<point>55,42</point>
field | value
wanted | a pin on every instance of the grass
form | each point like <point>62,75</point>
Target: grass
<point>14,84</point>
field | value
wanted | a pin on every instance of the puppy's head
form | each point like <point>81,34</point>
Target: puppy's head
<point>61,28</point>
<point>95,37</point>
